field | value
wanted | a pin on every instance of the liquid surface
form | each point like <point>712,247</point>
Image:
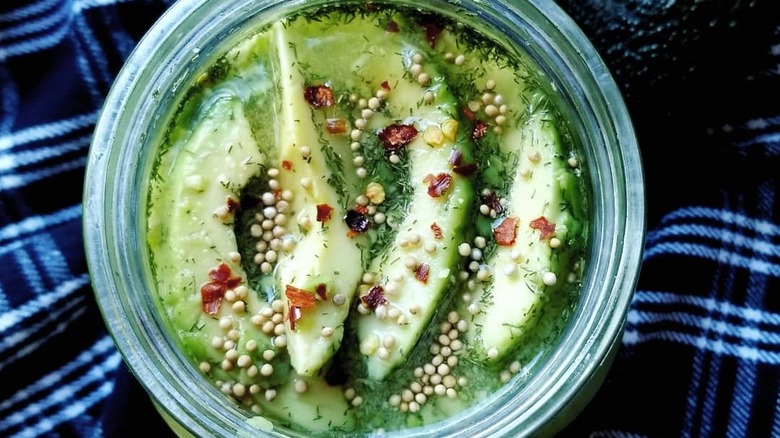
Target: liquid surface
<point>364,210</point>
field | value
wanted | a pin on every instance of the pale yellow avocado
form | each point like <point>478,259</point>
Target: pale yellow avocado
<point>188,229</point>
<point>509,303</point>
<point>388,335</point>
<point>326,249</point>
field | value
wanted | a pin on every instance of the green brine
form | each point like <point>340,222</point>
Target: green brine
<point>366,209</point>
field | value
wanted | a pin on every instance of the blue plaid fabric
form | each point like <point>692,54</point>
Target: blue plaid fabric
<point>701,352</point>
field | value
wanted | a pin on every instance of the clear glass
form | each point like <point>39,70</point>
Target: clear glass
<point>189,36</point>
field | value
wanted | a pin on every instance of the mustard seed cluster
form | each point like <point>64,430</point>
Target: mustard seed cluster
<point>253,363</point>
<point>366,108</point>
<point>438,377</point>
<point>270,224</point>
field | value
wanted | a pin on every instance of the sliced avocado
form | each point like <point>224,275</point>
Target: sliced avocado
<point>325,249</point>
<point>415,272</point>
<point>320,409</point>
<point>199,235</point>
<point>528,270</point>
<point>524,164</point>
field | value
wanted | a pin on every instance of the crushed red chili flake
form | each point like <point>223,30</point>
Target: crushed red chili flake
<point>421,272</point>
<point>336,125</point>
<point>480,129</point>
<point>456,161</point>
<point>545,227</point>
<point>212,292</point>
<point>319,96</point>
<point>374,298</point>
<point>392,27</point>
<point>467,169</point>
<point>221,274</point>
<point>357,221</point>
<point>322,291</point>
<point>211,295</point>
<point>231,204</point>
<point>286,165</point>
<point>469,114</point>
<point>456,157</point>
<point>385,85</point>
<point>294,316</point>
<point>432,32</point>
<point>492,201</point>
<point>299,297</point>
<point>437,234</point>
<point>394,137</point>
<point>438,184</point>
<point>506,231</point>
<point>324,212</point>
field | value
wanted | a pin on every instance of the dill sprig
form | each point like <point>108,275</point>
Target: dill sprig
<point>336,179</point>
<point>394,178</point>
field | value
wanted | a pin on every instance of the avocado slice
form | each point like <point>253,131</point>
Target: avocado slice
<point>536,264</point>
<point>199,235</point>
<point>320,409</point>
<point>415,272</point>
<point>325,262</point>
<point>533,243</point>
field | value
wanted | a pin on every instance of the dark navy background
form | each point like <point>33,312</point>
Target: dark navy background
<point>701,352</point>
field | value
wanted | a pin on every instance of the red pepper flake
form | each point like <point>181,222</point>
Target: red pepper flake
<point>467,169</point>
<point>386,85</point>
<point>374,298</point>
<point>212,292</point>
<point>456,157</point>
<point>211,295</point>
<point>336,126</point>
<point>421,272</point>
<point>492,201</point>
<point>322,291</point>
<point>456,161</point>
<point>480,129</point>
<point>357,221</point>
<point>297,300</point>
<point>396,136</point>
<point>432,32</point>
<point>231,204</point>
<point>319,96</point>
<point>544,226</point>
<point>294,316</point>
<point>469,114</point>
<point>300,298</point>
<point>438,184</point>
<point>392,26</point>
<point>506,231</point>
<point>437,234</point>
<point>324,212</point>
<point>286,165</point>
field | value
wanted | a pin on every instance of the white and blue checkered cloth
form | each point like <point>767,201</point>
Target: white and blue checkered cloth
<point>701,352</point>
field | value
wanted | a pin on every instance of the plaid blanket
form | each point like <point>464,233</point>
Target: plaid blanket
<point>701,351</point>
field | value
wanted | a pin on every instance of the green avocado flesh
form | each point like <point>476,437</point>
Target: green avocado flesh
<point>366,209</point>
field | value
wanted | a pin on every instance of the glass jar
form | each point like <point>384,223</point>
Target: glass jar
<point>189,36</point>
